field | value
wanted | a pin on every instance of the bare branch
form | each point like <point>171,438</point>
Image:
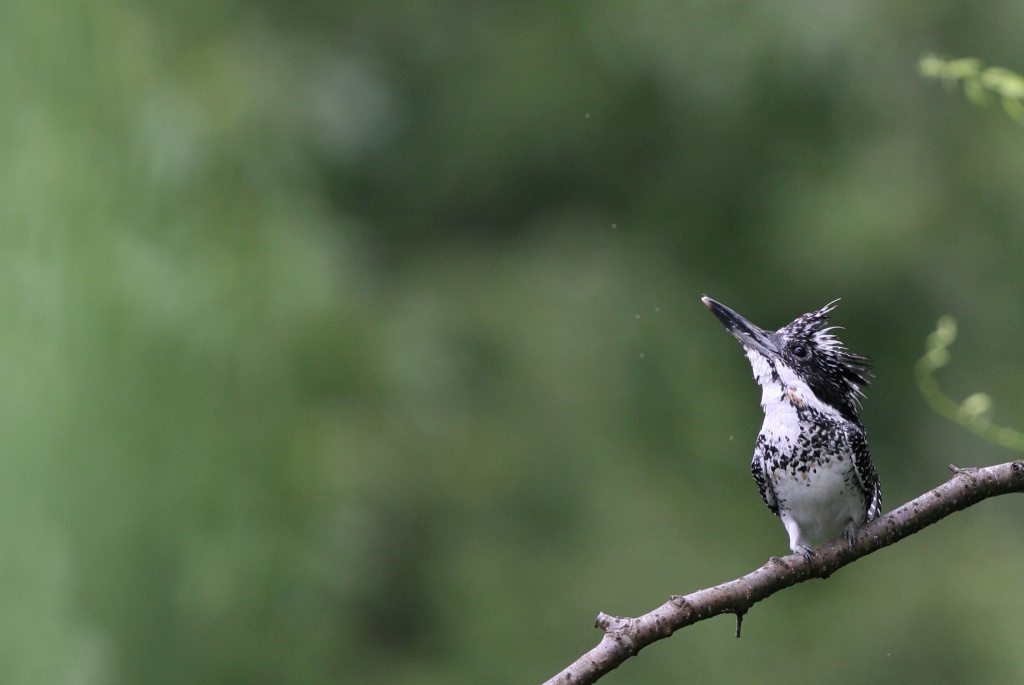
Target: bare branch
<point>625,637</point>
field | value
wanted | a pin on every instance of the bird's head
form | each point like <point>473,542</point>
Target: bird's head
<point>803,359</point>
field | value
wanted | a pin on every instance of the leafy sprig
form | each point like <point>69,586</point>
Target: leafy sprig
<point>973,413</point>
<point>980,83</point>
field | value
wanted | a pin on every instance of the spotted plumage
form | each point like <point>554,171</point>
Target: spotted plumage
<point>811,461</point>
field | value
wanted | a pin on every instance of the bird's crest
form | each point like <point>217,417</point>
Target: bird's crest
<point>809,346</point>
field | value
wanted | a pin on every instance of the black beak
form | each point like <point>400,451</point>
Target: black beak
<point>747,333</point>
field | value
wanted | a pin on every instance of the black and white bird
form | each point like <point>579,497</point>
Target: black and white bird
<point>811,460</point>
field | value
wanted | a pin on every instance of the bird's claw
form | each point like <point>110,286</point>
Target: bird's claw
<point>851,536</point>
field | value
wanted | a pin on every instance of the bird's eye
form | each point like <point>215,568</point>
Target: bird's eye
<point>800,351</point>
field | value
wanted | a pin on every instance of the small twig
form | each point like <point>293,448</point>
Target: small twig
<point>739,622</point>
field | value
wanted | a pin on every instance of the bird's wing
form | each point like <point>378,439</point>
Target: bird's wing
<point>870,486</point>
<point>757,469</point>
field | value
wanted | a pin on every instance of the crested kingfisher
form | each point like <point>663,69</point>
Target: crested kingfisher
<point>811,461</point>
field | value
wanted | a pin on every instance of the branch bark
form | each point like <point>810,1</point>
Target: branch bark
<point>625,637</point>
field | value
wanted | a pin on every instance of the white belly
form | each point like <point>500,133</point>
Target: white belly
<point>818,504</point>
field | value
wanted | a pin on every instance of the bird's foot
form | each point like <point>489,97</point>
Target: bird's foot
<point>806,552</point>
<point>851,535</point>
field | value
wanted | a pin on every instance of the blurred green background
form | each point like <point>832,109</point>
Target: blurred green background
<point>362,341</point>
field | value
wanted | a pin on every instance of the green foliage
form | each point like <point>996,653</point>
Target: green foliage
<point>974,412</point>
<point>979,81</point>
<point>362,341</point>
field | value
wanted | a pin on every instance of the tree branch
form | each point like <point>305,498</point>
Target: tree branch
<point>625,637</point>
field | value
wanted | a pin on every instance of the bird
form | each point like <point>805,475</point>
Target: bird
<point>811,460</point>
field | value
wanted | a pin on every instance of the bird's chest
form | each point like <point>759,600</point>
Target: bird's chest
<point>806,458</point>
<point>809,469</point>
